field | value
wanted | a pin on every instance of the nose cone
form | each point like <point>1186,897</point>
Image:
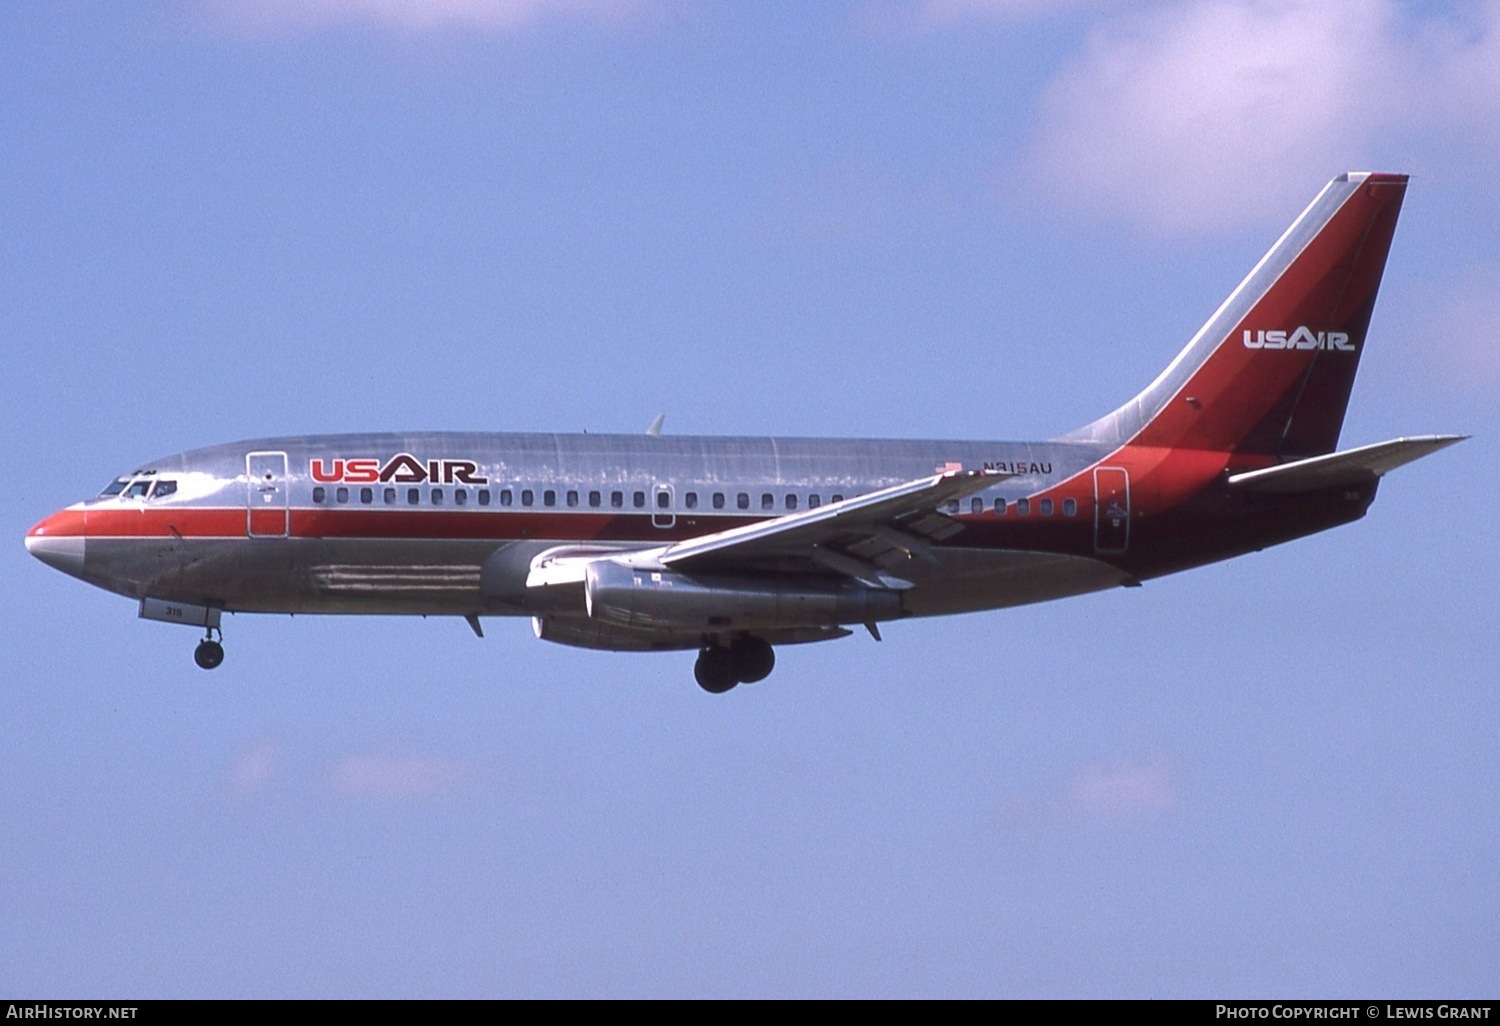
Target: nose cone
<point>59,541</point>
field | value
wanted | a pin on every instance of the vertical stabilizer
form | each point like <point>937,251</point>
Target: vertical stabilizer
<point>1271,371</point>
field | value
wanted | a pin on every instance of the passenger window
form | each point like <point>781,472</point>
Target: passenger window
<point>718,500</point>
<point>638,500</point>
<point>690,500</point>
<point>742,500</point>
<point>527,497</point>
<point>505,496</point>
<point>484,497</point>
<point>572,498</point>
<point>1070,508</point>
<point>341,496</point>
<point>838,498</point>
<point>1023,507</point>
<point>437,496</point>
<point>414,496</point>
<point>320,494</point>
<point>663,500</point>
<point>549,497</point>
<point>460,496</point>
<point>1046,507</point>
<point>813,501</point>
<point>976,505</point>
<point>1000,506</point>
<point>791,501</point>
<point>163,489</point>
<point>767,501</point>
<point>595,499</point>
<point>952,505</point>
<point>390,496</point>
<point>617,500</point>
<point>367,495</point>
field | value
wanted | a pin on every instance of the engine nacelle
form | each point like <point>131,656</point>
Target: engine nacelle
<point>581,633</point>
<point>628,597</point>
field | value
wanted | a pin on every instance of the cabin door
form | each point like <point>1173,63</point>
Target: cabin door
<point>1111,509</point>
<point>266,495</point>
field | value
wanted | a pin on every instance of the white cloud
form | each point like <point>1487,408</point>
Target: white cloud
<point>1120,792</point>
<point>1113,794</point>
<point>411,16</point>
<point>1460,331</point>
<point>393,777</point>
<point>253,768</point>
<point>942,11</point>
<point>1211,114</point>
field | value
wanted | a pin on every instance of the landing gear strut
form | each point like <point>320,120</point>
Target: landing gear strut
<point>210,652</point>
<point>746,660</point>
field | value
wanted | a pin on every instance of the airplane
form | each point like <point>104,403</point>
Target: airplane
<point>732,546</point>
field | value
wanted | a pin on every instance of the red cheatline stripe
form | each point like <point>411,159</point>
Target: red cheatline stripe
<point>230,522</point>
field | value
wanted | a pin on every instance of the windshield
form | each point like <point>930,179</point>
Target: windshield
<point>115,487</point>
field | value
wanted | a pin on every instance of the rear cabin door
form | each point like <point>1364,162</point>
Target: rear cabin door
<point>1111,509</point>
<point>266,495</point>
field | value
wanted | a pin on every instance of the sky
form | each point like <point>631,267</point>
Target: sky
<point>227,219</point>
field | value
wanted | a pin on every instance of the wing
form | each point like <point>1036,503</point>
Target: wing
<point>850,537</point>
<point>1352,466</point>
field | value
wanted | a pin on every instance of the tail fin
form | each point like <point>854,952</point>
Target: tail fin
<point>1270,373</point>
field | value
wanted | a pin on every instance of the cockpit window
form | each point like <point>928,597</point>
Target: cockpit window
<point>115,487</point>
<point>163,489</point>
<point>138,489</point>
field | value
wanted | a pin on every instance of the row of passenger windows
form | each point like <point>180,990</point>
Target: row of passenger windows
<point>617,500</point>
<point>549,497</point>
<point>1021,507</point>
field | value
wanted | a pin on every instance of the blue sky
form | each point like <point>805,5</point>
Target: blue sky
<point>954,218</point>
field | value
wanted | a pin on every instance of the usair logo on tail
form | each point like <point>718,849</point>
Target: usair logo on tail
<point>1302,338</point>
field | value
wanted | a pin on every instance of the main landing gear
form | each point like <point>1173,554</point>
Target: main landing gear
<point>745,661</point>
<point>210,651</point>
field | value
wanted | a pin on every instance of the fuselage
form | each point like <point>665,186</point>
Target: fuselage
<point>447,523</point>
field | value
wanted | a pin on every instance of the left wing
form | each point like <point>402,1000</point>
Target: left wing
<point>847,537</point>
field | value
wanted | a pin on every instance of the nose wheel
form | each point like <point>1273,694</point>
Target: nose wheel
<point>210,652</point>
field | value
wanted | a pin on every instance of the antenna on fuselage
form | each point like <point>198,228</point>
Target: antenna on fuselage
<point>655,429</point>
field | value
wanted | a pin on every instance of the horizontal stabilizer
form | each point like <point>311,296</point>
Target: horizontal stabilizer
<point>1352,466</point>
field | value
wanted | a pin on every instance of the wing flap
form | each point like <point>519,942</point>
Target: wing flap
<point>1353,466</point>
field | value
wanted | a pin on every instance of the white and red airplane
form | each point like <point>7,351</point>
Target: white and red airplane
<point>730,546</point>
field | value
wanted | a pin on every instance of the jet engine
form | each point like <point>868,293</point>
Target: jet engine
<point>627,596</point>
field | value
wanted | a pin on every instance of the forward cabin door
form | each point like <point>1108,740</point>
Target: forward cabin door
<point>1111,509</point>
<point>266,495</point>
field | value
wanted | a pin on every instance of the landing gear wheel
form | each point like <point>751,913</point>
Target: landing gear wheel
<point>208,654</point>
<point>715,670</point>
<point>753,659</point>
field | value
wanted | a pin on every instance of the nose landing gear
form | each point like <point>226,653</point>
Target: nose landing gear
<point>746,660</point>
<point>210,651</point>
